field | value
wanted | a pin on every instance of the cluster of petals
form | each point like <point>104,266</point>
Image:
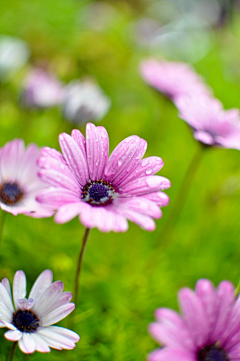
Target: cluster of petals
<point>19,181</point>
<point>211,124</point>
<point>207,330</point>
<point>173,79</point>
<point>134,192</point>
<point>29,320</point>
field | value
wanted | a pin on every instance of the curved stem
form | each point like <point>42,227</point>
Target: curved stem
<point>2,225</point>
<point>13,348</point>
<point>79,264</point>
<point>182,195</point>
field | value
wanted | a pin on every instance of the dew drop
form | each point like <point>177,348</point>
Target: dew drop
<point>149,171</point>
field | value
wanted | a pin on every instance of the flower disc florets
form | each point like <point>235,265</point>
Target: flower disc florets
<point>212,353</point>
<point>98,193</point>
<point>10,193</point>
<point>25,321</point>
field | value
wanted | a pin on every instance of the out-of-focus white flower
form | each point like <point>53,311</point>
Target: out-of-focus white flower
<point>41,89</point>
<point>14,54</point>
<point>84,101</point>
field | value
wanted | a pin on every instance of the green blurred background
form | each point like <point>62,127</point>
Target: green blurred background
<point>125,277</point>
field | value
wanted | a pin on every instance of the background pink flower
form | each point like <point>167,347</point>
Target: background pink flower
<point>210,122</point>
<point>173,78</point>
<point>104,191</point>
<point>208,330</point>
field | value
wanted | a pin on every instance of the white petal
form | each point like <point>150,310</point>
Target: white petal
<point>65,332</point>
<point>48,298</point>
<point>13,335</point>
<point>57,315</point>
<point>5,314</point>
<point>19,287</point>
<point>21,346</point>
<point>41,344</point>
<point>51,336</point>
<point>41,284</point>
<point>9,325</point>
<point>5,298</point>
<point>6,284</point>
<point>28,342</point>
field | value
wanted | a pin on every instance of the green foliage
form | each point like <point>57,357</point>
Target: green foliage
<point>124,278</point>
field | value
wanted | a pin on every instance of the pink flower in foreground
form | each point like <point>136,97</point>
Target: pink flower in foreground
<point>104,192</point>
<point>210,122</point>
<point>208,330</point>
<point>29,320</point>
<point>173,79</point>
<point>19,181</point>
<point>41,90</point>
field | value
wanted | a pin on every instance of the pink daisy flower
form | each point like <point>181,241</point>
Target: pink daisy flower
<point>208,330</point>
<point>19,181</point>
<point>29,320</point>
<point>211,124</point>
<point>104,191</point>
<point>173,79</point>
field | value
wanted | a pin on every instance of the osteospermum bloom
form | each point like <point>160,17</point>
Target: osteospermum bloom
<point>84,101</point>
<point>207,330</point>
<point>173,78</point>
<point>211,124</point>
<point>41,89</point>
<point>19,181</point>
<point>29,320</point>
<point>104,191</point>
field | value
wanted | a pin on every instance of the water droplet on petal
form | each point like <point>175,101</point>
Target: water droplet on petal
<point>149,171</point>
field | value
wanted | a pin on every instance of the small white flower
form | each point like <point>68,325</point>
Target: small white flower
<point>30,321</point>
<point>84,101</point>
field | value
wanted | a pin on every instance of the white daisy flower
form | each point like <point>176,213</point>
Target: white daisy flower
<point>29,320</point>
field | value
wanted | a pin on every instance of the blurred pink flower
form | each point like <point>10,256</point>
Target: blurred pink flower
<point>41,90</point>
<point>104,192</point>
<point>210,122</point>
<point>173,79</point>
<point>30,321</point>
<point>209,329</point>
<point>19,181</point>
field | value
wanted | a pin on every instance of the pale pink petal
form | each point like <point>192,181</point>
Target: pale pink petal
<point>6,284</point>
<point>62,300</point>
<point>41,344</point>
<point>147,166</point>
<point>11,154</point>
<point>9,325</point>
<point>19,287</point>
<point>73,336</point>
<point>141,205</point>
<point>5,314</point>
<point>120,223</point>
<point>48,298</point>
<point>49,163</point>
<point>146,185</point>
<point>74,158</point>
<point>58,179</point>
<point>80,140</point>
<point>51,336</point>
<point>166,354</point>
<point>13,335</point>
<point>53,153</point>
<point>68,211</point>
<point>142,220</point>
<point>27,167</point>
<point>6,298</point>
<point>160,198</point>
<point>86,217</point>
<point>97,144</point>
<point>28,343</point>
<point>22,346</point>
<point>56,197</point>
<point>43,281</point>
<point>204,137</point>
<point>124,159</point>
<point>194,315</point>
<point>57,315</point>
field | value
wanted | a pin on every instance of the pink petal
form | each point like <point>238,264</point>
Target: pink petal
<point>160,198</point>
<point>141,205</point>
<point>27,167</point>
<point>41,344</point>
<point>146,185</point>
<point>74,158</point>
<point>56,197</point>
<point>140,219</point>
<point>124,159</point>
<point>29,345</point>
<point>13,335</point>
<point>86,217</point>
<point>58,179</point>
<point>166,354</point>
<point>204,137</point>
<point>11,154</point>
<point>62,300</point>
<point>48,298</point>
<point>194,315</point>
<point>51,336</point>
<point>57,315</point>
<point>80,140</point>
<point>146,167</point>
<point>97,144</point>
<point>73,336</point>
<point>68,211</point>
<point>52,153</point>
<point>50,163</point>
<point>43,281</point>
<point>19,287</point>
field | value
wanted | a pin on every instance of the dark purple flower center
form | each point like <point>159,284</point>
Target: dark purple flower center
<point>25,321</point>
<point>212,353</point>
<point>98,193</point>
<point>10,193</point>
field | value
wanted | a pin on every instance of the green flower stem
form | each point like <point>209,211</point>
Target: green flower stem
<point>12,351</point>
<point>79,264</point>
